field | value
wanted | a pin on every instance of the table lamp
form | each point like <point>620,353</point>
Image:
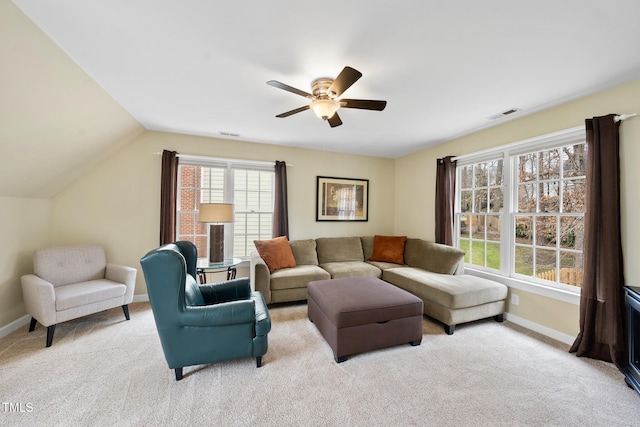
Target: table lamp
<point>216,214</point>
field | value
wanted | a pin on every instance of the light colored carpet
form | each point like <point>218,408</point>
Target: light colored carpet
<point>102,370</point>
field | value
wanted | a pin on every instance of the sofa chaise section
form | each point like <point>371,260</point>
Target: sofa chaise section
<point>451,299</point>
<point>434,273</point>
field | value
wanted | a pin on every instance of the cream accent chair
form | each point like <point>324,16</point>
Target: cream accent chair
<point>74,281</point>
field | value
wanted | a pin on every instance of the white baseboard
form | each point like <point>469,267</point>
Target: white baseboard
<point>14,326</point>
<point>24,320</point>
<point>536,327</point>
<point>141,298</point>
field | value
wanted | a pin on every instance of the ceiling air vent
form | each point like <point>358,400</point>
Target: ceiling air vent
<point>235,135</point>
<point>504,113</point>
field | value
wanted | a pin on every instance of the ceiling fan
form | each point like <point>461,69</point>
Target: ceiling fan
<point>325,100</point>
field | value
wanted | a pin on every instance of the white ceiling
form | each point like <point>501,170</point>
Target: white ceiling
<point>200,66</point>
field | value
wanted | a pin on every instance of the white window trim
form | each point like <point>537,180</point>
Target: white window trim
<point>564,137</point>
<point>191,159</point>
<point>540,143</point>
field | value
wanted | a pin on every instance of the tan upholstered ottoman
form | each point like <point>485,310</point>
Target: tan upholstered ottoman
<point>360,314</point>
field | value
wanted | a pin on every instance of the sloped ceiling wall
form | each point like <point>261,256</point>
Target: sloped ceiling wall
<point>56,123</point>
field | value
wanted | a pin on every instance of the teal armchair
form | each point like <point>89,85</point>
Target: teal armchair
<point>200,324</point>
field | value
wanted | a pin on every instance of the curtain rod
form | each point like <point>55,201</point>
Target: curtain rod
<point>222,159</point>
<point>624,117</point>
<point>538,138</point>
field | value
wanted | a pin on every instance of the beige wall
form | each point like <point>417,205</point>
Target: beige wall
<point>117,204</point>
<point>415,184</point>
<point>25,226</point>
<point>56,119</point>
<point>549,313</point>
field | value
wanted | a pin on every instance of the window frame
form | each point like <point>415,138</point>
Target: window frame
<point>249,241</point>
<point>229,166</point>
<point>514,211</point>
<point>485,214</point>
<point>508,154</point>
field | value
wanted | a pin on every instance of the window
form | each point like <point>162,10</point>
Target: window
<point>253,203</point>
<point>249,187</point>
<point>481,208</point>
<point>520,209</point>
<point>549,216</point>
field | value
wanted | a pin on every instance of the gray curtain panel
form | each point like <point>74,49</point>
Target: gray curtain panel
<point>602,297</point>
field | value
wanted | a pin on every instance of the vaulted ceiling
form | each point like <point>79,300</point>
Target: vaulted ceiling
<point>200,67</point>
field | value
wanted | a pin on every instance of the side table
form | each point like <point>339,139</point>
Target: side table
<point>203,266</point>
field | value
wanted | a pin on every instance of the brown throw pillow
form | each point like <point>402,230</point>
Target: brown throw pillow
<point>388,249</point>
<point>276,253</point>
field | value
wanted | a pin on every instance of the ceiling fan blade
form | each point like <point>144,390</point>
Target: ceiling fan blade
<point>334,120</point>
<point>291,89</point>
<point>289,113</point>
<point>363,104</point>
<point>345,79</point>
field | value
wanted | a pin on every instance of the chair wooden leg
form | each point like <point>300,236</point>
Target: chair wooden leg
<point>499,318</point>
<point>125,308</point>
<point>32,325</point>
<point>449,329</point>
<point>258,361</point>
<point>50,331</point>
<point>178,374</point>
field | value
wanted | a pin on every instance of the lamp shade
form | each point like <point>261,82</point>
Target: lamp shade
<point>216,212</point>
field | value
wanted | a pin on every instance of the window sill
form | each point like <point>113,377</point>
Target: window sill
<point>538,289</point>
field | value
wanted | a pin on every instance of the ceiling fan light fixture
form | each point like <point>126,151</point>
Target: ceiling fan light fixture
<point>325,108</point>
<point>325,99</point>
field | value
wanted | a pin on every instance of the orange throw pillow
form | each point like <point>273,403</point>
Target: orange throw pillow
<point>388,249</point>
<point>276,253</point>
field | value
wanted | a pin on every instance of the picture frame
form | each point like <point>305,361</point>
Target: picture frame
<point>342,199</point>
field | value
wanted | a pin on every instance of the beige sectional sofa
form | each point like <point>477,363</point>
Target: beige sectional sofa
<point>431,271</point>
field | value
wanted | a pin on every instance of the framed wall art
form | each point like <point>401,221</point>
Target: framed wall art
<point>342,199</point>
